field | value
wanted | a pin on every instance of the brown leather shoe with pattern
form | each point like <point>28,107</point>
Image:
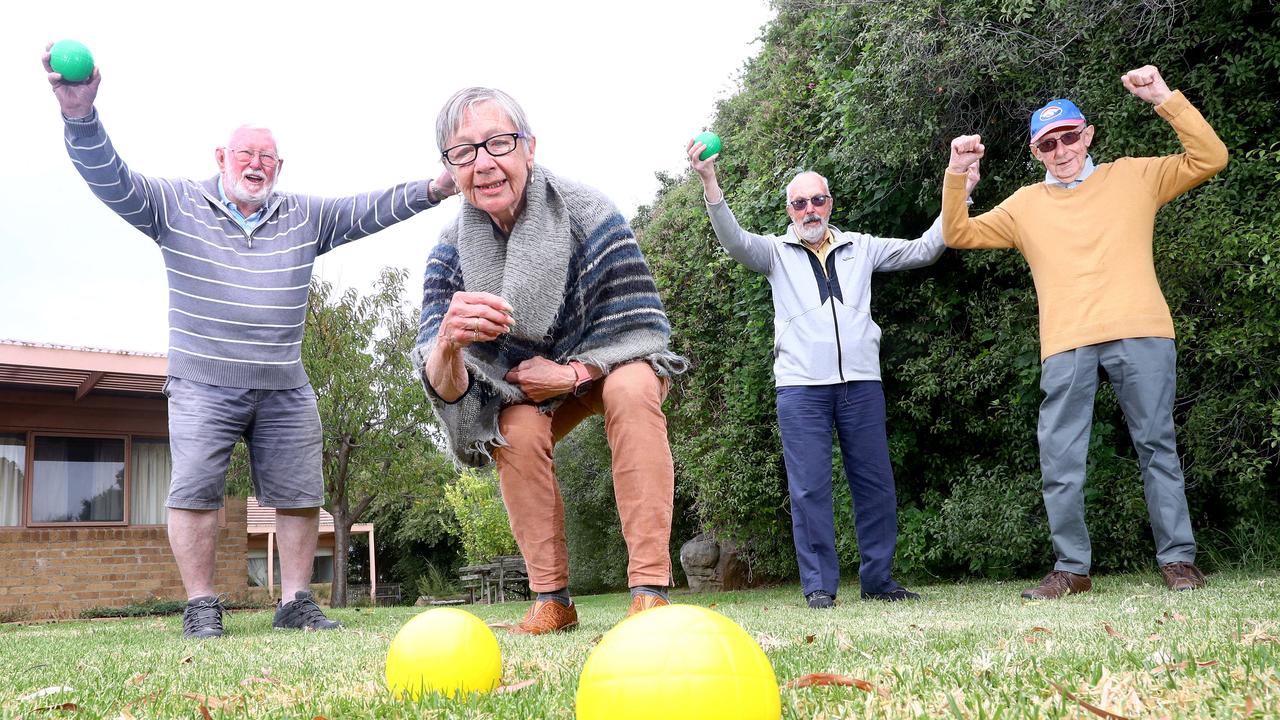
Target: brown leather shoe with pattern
<point>1058,583</point>
<point>1182,576</point>
<point>643,601</point>
<point>546,616</point>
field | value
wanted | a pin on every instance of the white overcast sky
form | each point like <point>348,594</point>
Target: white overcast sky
<point>613,92</point>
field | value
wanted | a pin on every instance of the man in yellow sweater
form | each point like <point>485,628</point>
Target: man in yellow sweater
<point>1086,233</point>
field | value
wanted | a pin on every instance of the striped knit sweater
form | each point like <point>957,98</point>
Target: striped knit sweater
<point>237,300</point>
<point>580,289</point>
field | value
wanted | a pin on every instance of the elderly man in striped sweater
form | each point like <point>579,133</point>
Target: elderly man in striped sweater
<point>238,256</point>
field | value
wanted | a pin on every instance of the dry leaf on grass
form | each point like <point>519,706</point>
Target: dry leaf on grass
<point>46,692</point>
<point>515,686</point>
<point>204,713</point>
<point>185,660</point>
<point>501,625</point>
<point>843,643</point>
<point>1039,629</point>
<point>1260,633</point>
<point>137,679</point>
<point>823,679</point>
<point>1112,631</point>
<point>1247,710</point>
<point>1084,704</point>
<point>64,707</point>
<point>1170,667</point>
<point>769,642</point>
<point>213,702</point>
<point>808,639</point>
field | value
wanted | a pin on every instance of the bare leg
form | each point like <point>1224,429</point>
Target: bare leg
<point>296,530</point>
<point>193,536</point>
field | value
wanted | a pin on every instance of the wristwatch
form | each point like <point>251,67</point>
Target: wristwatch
<point>582,377</point>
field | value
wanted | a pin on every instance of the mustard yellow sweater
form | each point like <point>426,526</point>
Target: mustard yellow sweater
<point>1089,247</point>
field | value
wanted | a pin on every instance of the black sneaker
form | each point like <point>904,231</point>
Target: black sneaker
<point>820,600</point>
<point>894,595</point>
<point>202,618</point>
<point>302,613</point>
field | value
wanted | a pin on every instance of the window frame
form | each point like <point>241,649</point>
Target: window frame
<point>32,435</point>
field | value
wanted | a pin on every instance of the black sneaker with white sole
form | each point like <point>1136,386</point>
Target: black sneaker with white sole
<point>820,600</point>
<point>202,618</point>
<point>302,613</point>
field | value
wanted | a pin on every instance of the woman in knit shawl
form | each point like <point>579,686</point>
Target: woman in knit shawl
<point>538,310</point>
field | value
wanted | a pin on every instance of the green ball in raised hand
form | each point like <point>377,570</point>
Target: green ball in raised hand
<point>711,140</point>
<point>72,60</point>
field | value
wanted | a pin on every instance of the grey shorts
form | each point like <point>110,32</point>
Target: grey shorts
<point>280,427</point>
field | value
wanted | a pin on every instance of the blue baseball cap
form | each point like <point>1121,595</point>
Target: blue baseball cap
<point>1054,115</point>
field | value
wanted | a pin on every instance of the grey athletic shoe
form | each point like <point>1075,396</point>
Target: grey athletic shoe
<point>202,618</point>
<point>302,613</point>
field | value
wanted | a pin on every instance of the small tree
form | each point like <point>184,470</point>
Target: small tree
<point>482,523</point>
<point>378,427</point>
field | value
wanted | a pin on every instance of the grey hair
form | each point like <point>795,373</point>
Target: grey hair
<point>826,186</point>
<point>450,118</point>
<point>253,126</point>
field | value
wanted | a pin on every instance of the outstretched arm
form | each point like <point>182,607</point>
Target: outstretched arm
<point>894,254</point>
<point>754,251</point>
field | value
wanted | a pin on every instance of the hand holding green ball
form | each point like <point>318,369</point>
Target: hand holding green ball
<point>72,60</point>
<point>711,140</point>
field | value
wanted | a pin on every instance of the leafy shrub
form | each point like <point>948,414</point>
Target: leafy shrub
<point>482,524</point>
<point>869,94</point>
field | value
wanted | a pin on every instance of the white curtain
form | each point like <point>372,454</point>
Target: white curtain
<point>149,482</point>
<point>13,466</point>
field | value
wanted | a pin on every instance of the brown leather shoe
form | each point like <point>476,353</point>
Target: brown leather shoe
<point>643,601</point>
<point>546,616</point>
<point>1058,583</point>
<point>1182,576</point>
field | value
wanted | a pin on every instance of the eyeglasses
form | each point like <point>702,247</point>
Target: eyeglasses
<point>246,156</point>
<point>801,203</point>
<point>496,146</point>
<point>1048,145</point>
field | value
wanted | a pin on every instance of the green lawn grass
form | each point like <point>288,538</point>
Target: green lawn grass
<point>972,650</point>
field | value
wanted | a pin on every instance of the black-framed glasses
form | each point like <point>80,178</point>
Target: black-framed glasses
<point>801,203</point>
<point>267,159</point>
<point>1048,145</point>
<point>496,146</point>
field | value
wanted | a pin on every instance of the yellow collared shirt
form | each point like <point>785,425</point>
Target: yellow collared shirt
<point>823,248</point>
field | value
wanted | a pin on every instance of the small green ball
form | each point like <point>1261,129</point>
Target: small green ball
<point>72,59</point>
<point>711,140</point>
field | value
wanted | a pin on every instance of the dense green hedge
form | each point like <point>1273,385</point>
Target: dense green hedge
<point>869,94</point>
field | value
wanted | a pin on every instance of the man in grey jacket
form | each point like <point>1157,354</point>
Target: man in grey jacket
<point>827,371</point>
<point>238,256</point>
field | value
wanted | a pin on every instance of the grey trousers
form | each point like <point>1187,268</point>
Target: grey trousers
<point>1143,373</point>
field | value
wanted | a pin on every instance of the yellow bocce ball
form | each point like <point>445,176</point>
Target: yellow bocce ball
<point>443,650</point>
<point>674,662</point>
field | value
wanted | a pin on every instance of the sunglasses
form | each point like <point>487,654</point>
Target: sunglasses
<point>1048,145</point>
<point>802,203</point>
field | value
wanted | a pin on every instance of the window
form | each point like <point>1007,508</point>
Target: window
<point>77,480</point>
<point>13,470</point>
<point>150,468</point>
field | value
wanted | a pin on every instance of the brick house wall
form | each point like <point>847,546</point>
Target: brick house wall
<point>58,572</point>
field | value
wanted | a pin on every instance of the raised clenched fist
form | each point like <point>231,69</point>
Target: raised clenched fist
<point>965,151</point>
<point>1146,84</point>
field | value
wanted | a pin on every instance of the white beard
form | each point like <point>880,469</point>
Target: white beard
<point>812,235</point>
<point>239,193</point>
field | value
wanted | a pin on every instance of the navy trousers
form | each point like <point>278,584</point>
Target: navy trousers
<point>806,414</point>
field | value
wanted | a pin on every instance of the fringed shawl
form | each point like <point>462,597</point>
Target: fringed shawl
<point>580,287</point>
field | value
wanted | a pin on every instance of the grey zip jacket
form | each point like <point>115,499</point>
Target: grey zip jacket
<point>823,333</point>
